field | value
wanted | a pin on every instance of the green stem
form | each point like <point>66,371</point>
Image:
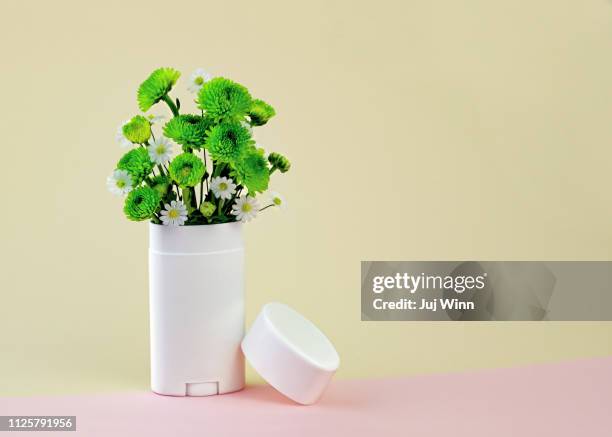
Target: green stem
<point>220,212</point>
<point>170,104</point>
<point>203,178</point>
<point>192,200</point>
<point>233,199</point>
<point>266,207</point>
<point>218,169</point>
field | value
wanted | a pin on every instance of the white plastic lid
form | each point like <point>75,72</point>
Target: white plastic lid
<point>290,353</point>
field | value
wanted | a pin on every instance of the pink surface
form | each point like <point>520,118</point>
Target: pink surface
<point>565,399</point>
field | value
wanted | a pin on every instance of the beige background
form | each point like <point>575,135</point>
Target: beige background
<point>418,130</point>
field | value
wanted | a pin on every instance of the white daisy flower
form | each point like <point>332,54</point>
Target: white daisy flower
<point>197,79</point>
<point>223,188</point>
<point>121,139</point>
<point>174,214</point>
<point>153,119</point>
<point>276,199</point>
<point>119,183</point>
<point>160,150</point>
<point>245,208</point>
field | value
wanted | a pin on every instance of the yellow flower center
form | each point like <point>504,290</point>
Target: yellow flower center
<point>173,213</point>
<point>246,207</point>
<point>277,201</point>
<point>160,149</point>
<point>199,80</point>
<point>186,171</point>
<point>120,183</point>
<point>222,186</point>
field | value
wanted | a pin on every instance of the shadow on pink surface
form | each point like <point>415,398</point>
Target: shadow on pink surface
<point>563,399</point>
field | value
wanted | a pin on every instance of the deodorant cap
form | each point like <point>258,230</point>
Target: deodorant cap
<point>290,353</point>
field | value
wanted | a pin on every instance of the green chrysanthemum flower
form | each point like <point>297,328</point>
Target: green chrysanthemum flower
<point>137,163</point>
<point>188,130</point>
<point>252,171</point>
<point>279,162</point>
<point>137,130</point>
<point>161,184</point>
<point>156,86</point>
<point>260,112</point>
<point>141,203</point>
<point>223,99</point>
<point>187,169</point>
<point>227,141</point>
<point>207,209</point>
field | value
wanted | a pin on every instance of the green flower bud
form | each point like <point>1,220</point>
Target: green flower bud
<point>223,99</point>
<point>156,86</point>
<point>278,161</point>
<point>161,184</point>
<point>187,130</point>
<point>207,209</point>
<point>260,112</point>
<point>227,141</point>
<point>187,170</point>
<point>252,171</point>
<point>141,203</point>
<point>137,163</point>
<point>137,130</point>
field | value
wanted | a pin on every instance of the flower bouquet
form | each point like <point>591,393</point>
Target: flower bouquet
<point>212,185</point>
<point>220,173</point>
